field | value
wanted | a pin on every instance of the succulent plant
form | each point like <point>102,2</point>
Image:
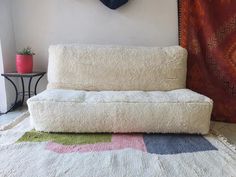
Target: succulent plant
<point>26,51</point>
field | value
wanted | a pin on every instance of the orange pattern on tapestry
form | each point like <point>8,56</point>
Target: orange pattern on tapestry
<point>207,28</point>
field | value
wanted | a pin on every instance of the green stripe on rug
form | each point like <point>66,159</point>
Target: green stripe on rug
<point>65,138</point>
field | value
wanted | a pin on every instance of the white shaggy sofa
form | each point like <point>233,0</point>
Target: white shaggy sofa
<point>119,89</point>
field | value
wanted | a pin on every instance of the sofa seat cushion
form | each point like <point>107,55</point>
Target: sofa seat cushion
<point>177,111</point>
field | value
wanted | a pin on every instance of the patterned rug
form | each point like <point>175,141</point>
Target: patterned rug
<point>26,152</point>
<point>207,29</point>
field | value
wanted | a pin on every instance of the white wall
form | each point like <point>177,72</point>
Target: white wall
<point>3,98</point>
<point>7,54</point>
<point>39,23</point>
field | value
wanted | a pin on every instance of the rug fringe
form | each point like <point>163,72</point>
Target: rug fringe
<point>224,140</point>
<point>15,122</point>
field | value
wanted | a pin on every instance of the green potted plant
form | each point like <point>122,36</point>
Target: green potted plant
<point>24,60</point>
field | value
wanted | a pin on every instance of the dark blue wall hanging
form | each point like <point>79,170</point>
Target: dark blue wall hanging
<point>114,4</point>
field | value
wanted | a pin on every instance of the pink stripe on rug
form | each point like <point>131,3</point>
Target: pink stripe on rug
<point>119,141</point>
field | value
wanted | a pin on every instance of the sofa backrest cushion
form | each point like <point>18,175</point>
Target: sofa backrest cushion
<point>96,68</point>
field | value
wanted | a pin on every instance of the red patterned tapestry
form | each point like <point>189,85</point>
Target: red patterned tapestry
<point>207,29</point>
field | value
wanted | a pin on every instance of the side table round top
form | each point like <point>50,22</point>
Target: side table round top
<point>15,74</point>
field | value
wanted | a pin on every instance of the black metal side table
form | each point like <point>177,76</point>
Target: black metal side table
<point>24,92</point>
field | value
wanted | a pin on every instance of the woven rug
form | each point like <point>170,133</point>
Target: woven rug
<point>26,152</point>
<point>207,29</point>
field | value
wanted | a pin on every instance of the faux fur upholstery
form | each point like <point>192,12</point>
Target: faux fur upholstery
<point>177,111</point>
<point>119,89</point>
<point>116,68</point>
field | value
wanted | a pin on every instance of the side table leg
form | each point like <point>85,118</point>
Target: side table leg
<point>16,98</point>
<point>35,88</point>
<point>23,90</point>
<point>29,86</point>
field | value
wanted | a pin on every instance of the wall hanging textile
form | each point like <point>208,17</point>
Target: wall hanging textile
<point>207,28</point>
